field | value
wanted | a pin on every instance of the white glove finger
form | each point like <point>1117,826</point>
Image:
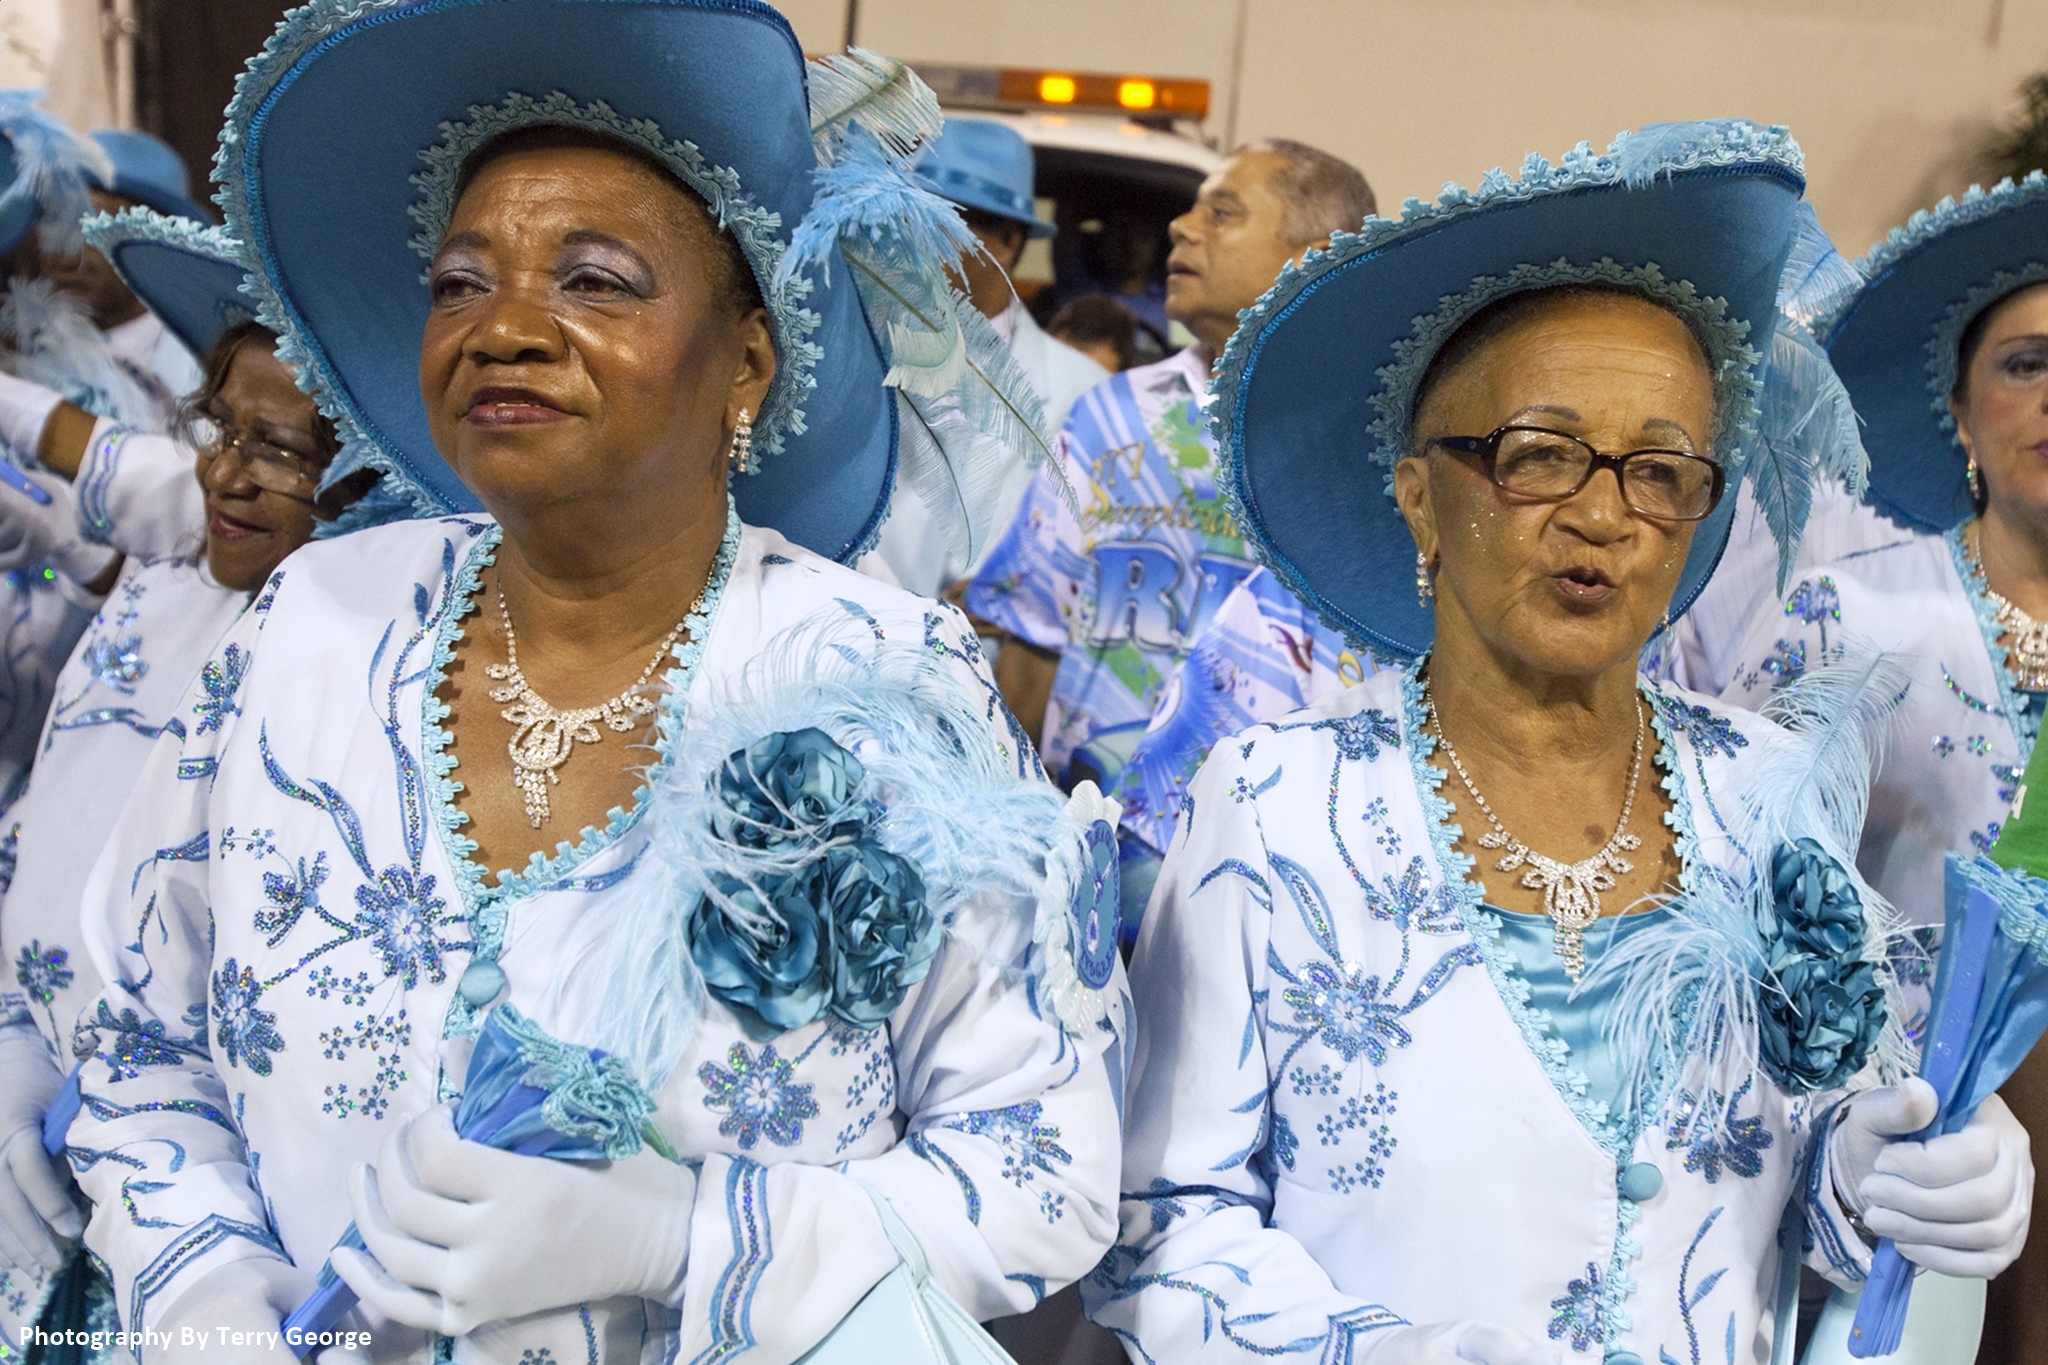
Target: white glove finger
<point>48,1187</point>
<point>1964,1201</point>
<point>1984,1234</point>
<point>407,1259</point>
<point>444,1164</point>
<point>382,1294</point>
<point>33,1245</point>
<point>1944,1160</point>
<point>1896,1110</point>
<point>1963,1265</point>
<point>418,1213</point>
<point>14,1253</point>
<point>1487,1343</point>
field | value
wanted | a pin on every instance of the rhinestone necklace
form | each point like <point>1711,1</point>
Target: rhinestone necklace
<point>1571,891</point>
<point>547,735</point>
<point>2026,654</point>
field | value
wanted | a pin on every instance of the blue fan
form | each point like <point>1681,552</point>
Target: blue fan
<point>1990,1007</point>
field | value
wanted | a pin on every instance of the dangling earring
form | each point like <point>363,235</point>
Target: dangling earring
<point>1976,478</point>
<point>743,444</point>
<point>1424,589</point>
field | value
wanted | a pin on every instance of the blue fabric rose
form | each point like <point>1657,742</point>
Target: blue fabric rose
<point>834,922</point>
<point>1821,1007</point>
<point>786,788</point>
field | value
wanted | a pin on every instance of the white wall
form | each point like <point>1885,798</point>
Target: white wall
<point>54,45</point>
<point>1888,97</point>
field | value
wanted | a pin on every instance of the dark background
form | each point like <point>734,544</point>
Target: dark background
<point>186,59</point>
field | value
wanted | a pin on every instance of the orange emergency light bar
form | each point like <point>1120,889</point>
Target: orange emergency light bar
<point>1038,88</point>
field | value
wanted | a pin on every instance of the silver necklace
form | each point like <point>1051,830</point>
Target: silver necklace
<point>1571,891</point>
<point>546,734</point>
<point>2026,652</point>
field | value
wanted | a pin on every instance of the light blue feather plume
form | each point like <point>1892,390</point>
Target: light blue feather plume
<point>868,90</point>
<point>54,169</point>
<point>1686,991</point>
<point>998,856</point>
<point>1817,279</point>
<point>50,340</point>
<point>1656,148</point>
<point>967,406</point>
<point>1806,430</point>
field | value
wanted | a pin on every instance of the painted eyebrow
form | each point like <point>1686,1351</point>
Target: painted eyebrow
<point>1666,424</point>
<point>1546,409</point>
<point>471,239</point>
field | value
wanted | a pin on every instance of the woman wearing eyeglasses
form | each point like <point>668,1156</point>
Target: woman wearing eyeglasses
<point>1499,1007</point>
<point>261,450</point>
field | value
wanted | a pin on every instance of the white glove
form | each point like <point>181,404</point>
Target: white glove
<point>235,1315</point>
<point>38,1220</point>
<point>25,408</point>
<point>32,531</point>
<point>1959,1204</point>
<point>1454,1343</point>
<point>465,1234</point>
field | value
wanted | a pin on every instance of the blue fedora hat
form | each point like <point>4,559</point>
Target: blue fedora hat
<point>146,170</point>
<point>45,170</point>
<point>1316,388</point>
<point>348,134</point>
<point>980,164</point>
<point>189,274</point>
<point>1895,342</point>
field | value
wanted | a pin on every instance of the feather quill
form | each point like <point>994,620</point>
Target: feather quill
<point>860,88</point>
<point>54,169</point>
<point>1817,279</point>
<point>50,340</point>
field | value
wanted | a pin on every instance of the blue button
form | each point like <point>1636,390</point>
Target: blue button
<point>480,984</point>
<point>1623,1358</point>
<point>1639,1182</point>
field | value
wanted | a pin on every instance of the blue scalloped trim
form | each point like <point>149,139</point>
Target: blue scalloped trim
<point>1945,344</point>
<point>295,38</point>
<point>1729,144</point>
<point>486,905</point>
<point>105,231</point>
<point>2018,714</point>
<point>752,226</point>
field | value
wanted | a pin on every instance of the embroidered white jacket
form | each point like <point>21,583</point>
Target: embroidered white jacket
<point>287,909</point>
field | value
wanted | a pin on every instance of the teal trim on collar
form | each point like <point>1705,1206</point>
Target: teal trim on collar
<point>2018,714</point>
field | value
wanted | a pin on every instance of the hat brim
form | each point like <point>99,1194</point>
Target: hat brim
<point>197,296</point>
<point>164,202</point>
<point>325,137</point>
<point>1303,473</point>
<point>1889,342</point>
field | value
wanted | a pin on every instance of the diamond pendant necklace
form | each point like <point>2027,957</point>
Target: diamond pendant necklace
<point>1571,891</point>
<point>547,735</point>
<point>2027,653</point>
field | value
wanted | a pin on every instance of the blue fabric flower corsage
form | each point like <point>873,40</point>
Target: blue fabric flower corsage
<point>832,921</point>
<point>1822,1006</point>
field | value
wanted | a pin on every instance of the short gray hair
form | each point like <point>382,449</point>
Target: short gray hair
<point>1322,193</point>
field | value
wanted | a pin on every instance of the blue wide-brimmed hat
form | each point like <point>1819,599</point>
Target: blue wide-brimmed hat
<point>1317,387</point>
<point>981,164</point>
<point>348,134</point>
<point>45,171</point>
<point>1895,342</point>
<point>189,274</point>
<point>145,169</point>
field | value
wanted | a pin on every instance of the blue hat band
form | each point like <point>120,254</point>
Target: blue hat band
<point>952,182</point>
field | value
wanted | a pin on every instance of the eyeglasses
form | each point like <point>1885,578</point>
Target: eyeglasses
<point>1536,462</point>
<point>270,466</point>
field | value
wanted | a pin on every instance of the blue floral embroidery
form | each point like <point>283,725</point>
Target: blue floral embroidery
<point>1814,601</point>
<point>1357,737</point>
<point>1028,1146</point>
<point>136,1044</point>
<point>1709,734</point>
<point>1787,662</point>
<point>116,663</point>
<point>1284,1143</point>
<point>760,1096</point>
<point>1739,1146</point>
<point>42,971</point>
<point>1689,1299</point>
<point>245,1032</point>
<point>1581,1311</point>
<point>401,916</point>
<point>290,895</point>
<point>222,679</point>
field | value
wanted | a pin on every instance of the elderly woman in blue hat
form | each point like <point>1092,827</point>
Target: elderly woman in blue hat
<point>598,811</point>
<point>261,448</point>
<point>1940,335</point>
<point>1499,1007</point>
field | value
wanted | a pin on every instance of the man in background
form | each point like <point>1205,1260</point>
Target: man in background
<point>1098,611</point>
<point>986,169</point>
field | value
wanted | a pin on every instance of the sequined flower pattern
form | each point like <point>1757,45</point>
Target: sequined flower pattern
<point>759,1096</point>
<point>43,972</point>
<point>1821,1007</point>
<point>246,1034</point>
<point>832,921</point>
